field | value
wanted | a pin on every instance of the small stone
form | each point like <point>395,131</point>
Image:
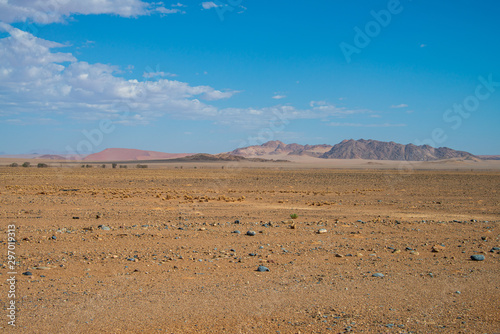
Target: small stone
<point>237,232</point>
<point>396,251</point>
<point>76,217</point>
<point>27,273</point>
<point>251,233</point>
<point>477,257</point>
<point>53,237</point>
<point>322,230</point>
<point>380,275</point>
<point>494,249</point>
<point>457,292</point>
<point>437,248</point>
<point>236,221</point>
<point>339,255</point>
<point>262,268</point>
<point>408,249</point>
<point>104,228</point>
<point>414,252</point>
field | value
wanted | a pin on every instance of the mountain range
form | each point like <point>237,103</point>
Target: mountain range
<point>355,149</point>
<point>277,150</point>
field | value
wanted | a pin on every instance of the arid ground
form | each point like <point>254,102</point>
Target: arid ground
<point>157,250</point>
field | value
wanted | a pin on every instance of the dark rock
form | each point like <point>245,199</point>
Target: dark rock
<point>236,221</point>
<point>237,232</point>
<point>251,233</point>
<point>378,275</point>
<point>262,268</point>
<point>27,273</point>
<point>477,257</point>
<point>53,237</point>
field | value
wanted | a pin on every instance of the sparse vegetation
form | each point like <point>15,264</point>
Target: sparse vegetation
<point>14,164</point>
<point>142,166</point>
<point>103,166</point>
<point>42,165</point>
<point>123,166</point>
<point>26,164</point>
<point>293,216</point>
<point>113,165</point>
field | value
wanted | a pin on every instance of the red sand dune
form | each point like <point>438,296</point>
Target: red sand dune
<point>127,154</point>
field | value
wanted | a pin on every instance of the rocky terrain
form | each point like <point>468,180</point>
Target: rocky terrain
<point>211,250</point>
<point>377,150</point>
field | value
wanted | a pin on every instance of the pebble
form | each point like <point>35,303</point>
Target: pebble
<point>54,237</point>
<point>494,249</point>
<point>237,232</point>
<point>378,275</point>
<point>414,252</point>
<point>322,230</point>
<point>27,273</point>
<point>251,233</point>
<point>104,228</point>
<point>477,257</point>
<point>262,268</point>
<point>236,221</point>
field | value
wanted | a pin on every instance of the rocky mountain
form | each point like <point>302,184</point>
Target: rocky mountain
<point>378,150</point>
<point>354,149</point>
<point>277,147</point>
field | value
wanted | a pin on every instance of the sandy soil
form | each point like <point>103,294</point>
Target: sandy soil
<point>171,262</point>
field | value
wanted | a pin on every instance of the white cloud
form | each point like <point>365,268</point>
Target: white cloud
<point>402,105</point>
<point>158,74</point>
<point>34,77</point>
<point>209,5</point>
<point>423,45</point>
<point>50,11</point>
<point>58,11</point>
<point>384,125</point>
<point>279,97</point>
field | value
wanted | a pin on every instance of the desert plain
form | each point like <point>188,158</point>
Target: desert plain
<point>166,249</point>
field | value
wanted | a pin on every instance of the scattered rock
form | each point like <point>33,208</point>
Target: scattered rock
<point>237,232</point>
<point>378,275</point>
<point>251,233</point>
<point>262,268</point>
<point>42,268</point>
<point>494,249</point>
<point>53,237</point>
<point>104,228</point>
<point>339,255</point>
<point>438,248</point>
<point>414,252</point>
<point>322,230</point>
<point>477,257</point>
<point>27,273</point>
<point>236,221</point>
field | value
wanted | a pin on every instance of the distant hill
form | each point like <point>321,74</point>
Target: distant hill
<point>277,147</point>
<point>51,157</point>
<point>127,154</point>
<point>489,157</point>
<point>355,149</point>
<point>379,150</point>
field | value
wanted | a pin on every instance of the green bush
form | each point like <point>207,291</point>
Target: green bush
<point>293,216</point>
<point>14,164</point>
<point>113,165</point>
<point>42,165</point>
<point>26,164</point>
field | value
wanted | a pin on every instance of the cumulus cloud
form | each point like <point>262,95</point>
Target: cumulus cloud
<point>279,97</point>
<point>57,11</point>
<point>35,77</point>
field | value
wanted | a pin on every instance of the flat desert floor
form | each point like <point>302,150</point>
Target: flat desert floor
<point>166,250</point>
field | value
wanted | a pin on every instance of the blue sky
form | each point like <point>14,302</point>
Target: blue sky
<point>202,76</point>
